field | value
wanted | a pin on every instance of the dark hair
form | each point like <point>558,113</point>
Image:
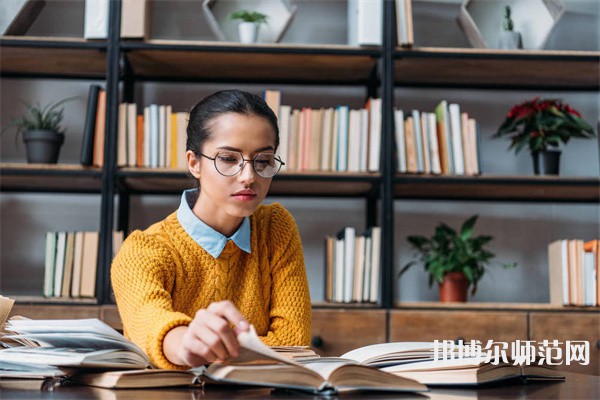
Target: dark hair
<point>222,102</point>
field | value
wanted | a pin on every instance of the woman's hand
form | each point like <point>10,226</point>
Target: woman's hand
<point>209,337</point>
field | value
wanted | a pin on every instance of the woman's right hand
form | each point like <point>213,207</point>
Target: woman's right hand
<point>210,337</point>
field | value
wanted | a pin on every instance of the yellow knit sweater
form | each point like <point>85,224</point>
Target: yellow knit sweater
<point>161,277</point>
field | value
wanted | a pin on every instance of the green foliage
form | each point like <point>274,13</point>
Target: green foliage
<point>542,123</point>
<point>451,251</point>
<point>249,16</point>
<point>38,117</point>
<point>507,24</point>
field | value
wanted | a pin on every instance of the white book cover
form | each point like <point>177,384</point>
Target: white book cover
<point>564,247</point>
<point>401,25</point>
<point>434,150</point>
<point>416,119</point>
<point>147,139</point>
<point>162,136</point>
<point>589,279</point>
<point>122,136</point>
<point>364,140</point>
<point>49,263</point>
<point>342,148</point>
<point>131,134</point>
<point>375,262</point>
<point>367,271</point>
<point>284,133</point>
<point>354,126</point>
<point>77,263</point>
<point>154,136</point>
<point>95,19</point>
<point>292,156</point>
<point>326,138</point>
<point>61,242</point>
<point>349,244</point>
<point>182,123</point>
<point>374,134</point>
<point>338,293</point>
<point>365,22</point>
<point>456,133</point>
<point>400,140</point>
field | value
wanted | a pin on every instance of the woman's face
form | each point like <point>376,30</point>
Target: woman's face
<point>225,200</point>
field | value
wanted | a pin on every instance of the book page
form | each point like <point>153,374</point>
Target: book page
<point>367,353</point>
<point>254,351</point>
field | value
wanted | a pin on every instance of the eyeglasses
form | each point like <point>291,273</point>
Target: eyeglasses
<point>230,163</point>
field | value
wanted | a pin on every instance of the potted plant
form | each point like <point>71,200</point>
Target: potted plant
<point>509,38</point>
<point>41,130</point>
<point>543,124</point>
<point>250,22</point>
<point>455,260</point>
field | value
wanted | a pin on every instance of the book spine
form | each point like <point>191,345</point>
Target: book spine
<point>89,127</point>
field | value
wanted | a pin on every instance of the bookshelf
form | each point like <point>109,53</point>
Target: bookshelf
<point>378,70</point>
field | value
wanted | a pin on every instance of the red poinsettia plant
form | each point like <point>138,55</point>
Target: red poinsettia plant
<point>543,124</point>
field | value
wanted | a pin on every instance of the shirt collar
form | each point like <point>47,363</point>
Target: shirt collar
<point>208,238</point>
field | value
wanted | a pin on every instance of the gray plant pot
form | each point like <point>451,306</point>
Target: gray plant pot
<point>510,40</point>
<point>42,146</point>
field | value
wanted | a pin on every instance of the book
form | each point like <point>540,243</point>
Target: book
<point>259,365</point>
<point>558,272</point>
<point>49,264</point>
<point>87,286</point>
<point>95,19</point>
<point>89,127</point>
<point>134,19</point>
<point>16,16</point>
<point>364,22</point>
<point>420,361</point>
<point>81,343</point>
<point>99,127</point>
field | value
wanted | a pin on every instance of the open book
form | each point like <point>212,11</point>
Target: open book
<point>81,343</point>
<point>417,360</point>
<point>259,365</point>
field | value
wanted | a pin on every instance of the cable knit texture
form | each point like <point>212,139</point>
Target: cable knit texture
<point>161,278</point>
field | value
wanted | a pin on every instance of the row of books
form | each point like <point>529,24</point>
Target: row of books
<point>71,263</point>
<point>157,138</point>
<point>574,272</point>
<point>328,139</point>
<point>444,142</point>
<point>352,266</point>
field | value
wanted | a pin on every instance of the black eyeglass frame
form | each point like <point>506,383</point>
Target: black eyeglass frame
<point>214,160</point>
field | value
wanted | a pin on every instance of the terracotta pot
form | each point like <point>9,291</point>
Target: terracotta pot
<point>454,287</point>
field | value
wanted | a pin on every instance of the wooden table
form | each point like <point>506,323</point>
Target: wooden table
<point>576,386</point>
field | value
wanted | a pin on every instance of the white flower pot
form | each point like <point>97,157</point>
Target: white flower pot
<point>510,40</point>
<point>248,32</point>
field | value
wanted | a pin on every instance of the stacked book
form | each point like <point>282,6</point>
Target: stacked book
<point>352,266</point>
<point>71,263</point>
<point>441,142</point>
<point>574,274</point>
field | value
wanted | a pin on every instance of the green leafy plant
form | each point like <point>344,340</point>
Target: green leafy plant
<point>451,251</point>
<point>542,123</point>
<point>507,24</point>
<point>249,16</point>
<point>38,117</point>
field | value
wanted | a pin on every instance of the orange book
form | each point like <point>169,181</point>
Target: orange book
<point>139,141</point>
<point>98,158</point>
<point>411,148</point>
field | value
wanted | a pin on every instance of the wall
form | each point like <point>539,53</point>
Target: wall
<point>521,231</point>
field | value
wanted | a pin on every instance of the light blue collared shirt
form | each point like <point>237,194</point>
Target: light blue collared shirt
<point>209,239</point>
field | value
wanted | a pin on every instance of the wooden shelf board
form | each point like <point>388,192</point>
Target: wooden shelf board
<point>434,305</point>
<point>52,301</point>
<point>52,56</point>
<point>165,181</point>
<point>66,178</point>
<point>345,306</point>
<point>500,188</point>
<point>559,70</point>
<point>220,61</point>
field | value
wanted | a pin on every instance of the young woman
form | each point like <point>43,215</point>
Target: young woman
<point>188,284</point>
